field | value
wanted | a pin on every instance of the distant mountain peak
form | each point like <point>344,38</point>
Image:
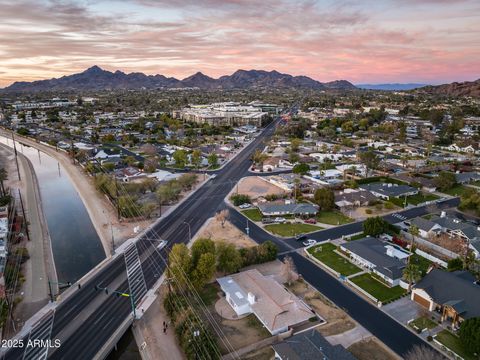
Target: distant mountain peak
<point>96,78</point>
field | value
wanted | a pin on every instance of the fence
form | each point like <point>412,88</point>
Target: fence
<point>313,258</point>
<point>434,247</point>
<point>431,258</point>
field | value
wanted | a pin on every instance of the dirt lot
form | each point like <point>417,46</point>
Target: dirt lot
<point>337,320</point>
<point>262,354</point>
<point>227,233</point>
<point>255,187</point>
<point>371,349</point>
<point>361,212</point>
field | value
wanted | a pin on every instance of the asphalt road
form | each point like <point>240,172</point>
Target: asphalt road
<point>86,335</point>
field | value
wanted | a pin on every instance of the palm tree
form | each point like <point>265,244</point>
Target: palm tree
<point>413,230</point>
<point>411,273</point>
<point>3,177</point>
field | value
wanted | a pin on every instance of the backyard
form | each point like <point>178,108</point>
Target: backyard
<point>333,218</point>
<point>325,254</point>
<point>421,262</point>
<point>421,198</point>
<point>452,342</point>
<point>375,288</point>
<point>288,229</point>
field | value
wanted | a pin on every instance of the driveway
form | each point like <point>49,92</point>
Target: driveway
<point>403,309</point>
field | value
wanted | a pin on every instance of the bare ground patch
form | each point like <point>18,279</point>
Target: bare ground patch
<point>228,233</point>
<point>255,187</point>
<point>371,349</point>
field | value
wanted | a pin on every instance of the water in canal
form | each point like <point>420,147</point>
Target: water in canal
<point>75,243</point>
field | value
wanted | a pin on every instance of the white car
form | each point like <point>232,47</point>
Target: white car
<point>244,206</point>
<point>213,176</point>
<point>162,244</point>
<point>279,220</point>
<point>309,242</point>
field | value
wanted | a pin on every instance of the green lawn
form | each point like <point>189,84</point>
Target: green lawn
<point>288,230</point>
<point>475,183</point>
<point>253,214</point>
<point>457,190</point>
<point>333,218</point>
<point>423,323</point>
<point>422,263</point>
<point>377,289</point>
<point>452,342</point>
<point>421,198</point>
<point>325,254</point>
<point>356,237</point>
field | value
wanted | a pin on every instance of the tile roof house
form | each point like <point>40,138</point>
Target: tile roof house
<point>276,308</point>
<point>381,259</point>
<point>457,301</point>
<point>273,209</point>
<point>310,345</point>
<point>387,190</point>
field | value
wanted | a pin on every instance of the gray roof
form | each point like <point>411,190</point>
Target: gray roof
<point>374,251</point>
<point>236,293</point>
<point>466,177</point>
<point>453,223</point>
<point>423,224</point>
<point>310,345</point>
<point>388,189</point>
<point>362,196</point>
<point>461,292</point>
<point>270,208</point>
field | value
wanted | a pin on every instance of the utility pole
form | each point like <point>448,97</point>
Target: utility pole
<point>24,216</point>
<point>16,158</point>
<point>116,195</point>
<point>113,240</point>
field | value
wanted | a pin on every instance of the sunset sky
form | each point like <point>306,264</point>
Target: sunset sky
<point>368,41</point>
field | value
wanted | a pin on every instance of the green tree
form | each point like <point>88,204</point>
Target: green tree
<point>239,199</point>
<point>179,265</point>
<point>325,199</point>
<point>301,168</point>
<point>445,180</point>
<point>370,159</point>
<point>375,226</point>
<point>180,158</point>
<point>201,246</point>
<point>259,157</point>
<point>455,264</point>
<point>212,160</point>
<point>295,144</point>
<point>347,127</point>
<point>470,334</point>
<point>196,158</point>
<point>412,273</point>
<point>414,231</point>
<point>204,270</point>
<point>228,258</point>
<point>186,181</point>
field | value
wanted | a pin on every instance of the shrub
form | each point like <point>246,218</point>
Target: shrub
<point>239,199</point>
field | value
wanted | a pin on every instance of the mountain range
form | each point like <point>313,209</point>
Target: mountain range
<point>95,78</point>
<point>391,87</point>
<point>467,88</point>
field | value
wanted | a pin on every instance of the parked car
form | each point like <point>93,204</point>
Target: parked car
<point>301,237</point>
<point>268,220</point>
<point>310,221</point>
<point>309,242</point>
<point>279,220</point>
<point>245,206</point>
<point>213,176</point>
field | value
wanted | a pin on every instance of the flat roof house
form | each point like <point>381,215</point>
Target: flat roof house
<point>276,308</point>
<point>388,190</point>
<point>310,345</point>
<point>381,259</point>
<point>454,294</point>
<point>273,209</point>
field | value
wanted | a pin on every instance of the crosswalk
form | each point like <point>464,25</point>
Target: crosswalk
<point>399,216</point>
<point>136,279</point>
<point>36,347</point>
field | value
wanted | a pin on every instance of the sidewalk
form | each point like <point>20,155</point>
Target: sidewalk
<point>152,342</point>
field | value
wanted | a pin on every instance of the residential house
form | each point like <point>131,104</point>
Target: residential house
<point>426,228</point>
<point>350,198</point>
<point>274,306</point>
<point>455,295</point>
<point>467,177</point>
<point>310,345</point>
<point>388,190</point>
<point>275,209</point>
<point>380,258</point>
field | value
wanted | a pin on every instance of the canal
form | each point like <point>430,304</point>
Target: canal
<point>76,246</point>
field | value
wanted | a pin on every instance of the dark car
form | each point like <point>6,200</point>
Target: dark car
<point>301,237</point>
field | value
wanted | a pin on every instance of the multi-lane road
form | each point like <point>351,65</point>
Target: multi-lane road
<point>86,320</point>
